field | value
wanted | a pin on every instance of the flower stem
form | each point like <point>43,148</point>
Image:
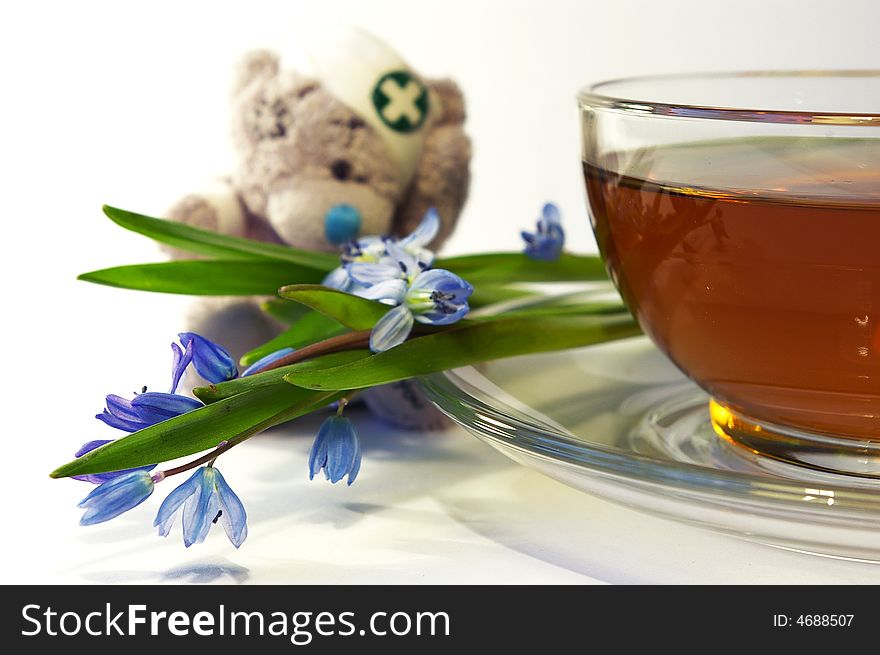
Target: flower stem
<point>348,341</point>
<point>223,446</point>
<point>210,457</point>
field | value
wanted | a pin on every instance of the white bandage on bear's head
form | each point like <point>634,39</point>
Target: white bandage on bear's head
<point>374,81</point>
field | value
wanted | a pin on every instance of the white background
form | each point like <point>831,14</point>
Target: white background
<point>126,104</point>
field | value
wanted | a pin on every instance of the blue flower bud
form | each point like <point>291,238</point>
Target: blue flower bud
<point>121,415</point>
<point>154,407</point>
<point>265,361</point>
<point>337,450</point>
<point>211,361</point>
<point>116,496</point>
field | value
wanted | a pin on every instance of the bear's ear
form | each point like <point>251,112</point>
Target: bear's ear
<point>255,64</point>
<point>450,100</point>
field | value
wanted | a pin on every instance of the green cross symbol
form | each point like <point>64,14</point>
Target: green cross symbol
<point>401,101</point>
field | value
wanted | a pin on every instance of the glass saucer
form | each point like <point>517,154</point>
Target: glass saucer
<point>619,421</point>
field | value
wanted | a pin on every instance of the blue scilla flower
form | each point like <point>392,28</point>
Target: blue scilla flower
<point>154,407</point>
<point>112,498</point>
<point>144,410</point>
<point>210,360</point>
<point>364,249</point>
<point>374,249</point>
<point>100,478</point>
<point>119,414</point>
<point>434,297</point>
<point>400,264</point>
<point>265,361</point>
<point>205,498</point>
<point>337,450</point>
<point>549,237</point>
<point>430,296</point>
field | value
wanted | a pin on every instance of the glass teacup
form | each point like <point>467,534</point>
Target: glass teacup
<point>739,216</point>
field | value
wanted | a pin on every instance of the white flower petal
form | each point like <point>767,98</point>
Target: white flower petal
<point>390,292</point>
<point>337,279</point>
<point>371,273</point>
<point>392,329</point>
<point>424,233</point>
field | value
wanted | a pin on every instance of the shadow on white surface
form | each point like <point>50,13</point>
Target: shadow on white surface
<point>434,508</point>
<point>545,520</point>
<point>219,572</point>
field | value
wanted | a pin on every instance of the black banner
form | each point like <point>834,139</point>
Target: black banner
<point>434,619</point>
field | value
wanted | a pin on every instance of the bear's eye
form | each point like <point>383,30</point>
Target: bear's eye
<point>341,169</point>
<point>270,119</point>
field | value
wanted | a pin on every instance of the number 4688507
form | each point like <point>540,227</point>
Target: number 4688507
<point>824,620</point>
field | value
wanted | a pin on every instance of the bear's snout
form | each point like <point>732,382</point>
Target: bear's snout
<point>301,212</point>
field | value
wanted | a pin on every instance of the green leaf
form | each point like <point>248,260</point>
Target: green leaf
<point>472,343</point>
<point>206,277</point>
<point>596,308</point>
<point>224,390</point>
<point>517,267</point>
<point>489,294</point>
<point>312,327</point>
<point>284,311</point>
<point>353,312</point>
<point>206,242</point>
<point>233,420</point>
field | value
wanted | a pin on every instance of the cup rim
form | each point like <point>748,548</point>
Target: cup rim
<point>593,96</point>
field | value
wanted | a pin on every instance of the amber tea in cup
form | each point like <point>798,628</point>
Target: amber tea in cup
<point>739,217</point>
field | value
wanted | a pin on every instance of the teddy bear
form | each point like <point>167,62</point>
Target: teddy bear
<point>303,150</point>
<point>360,145</point>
